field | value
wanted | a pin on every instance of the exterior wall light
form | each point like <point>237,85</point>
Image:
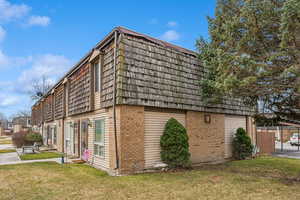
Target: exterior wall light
<point>90,124</point>
<point>207,119</point>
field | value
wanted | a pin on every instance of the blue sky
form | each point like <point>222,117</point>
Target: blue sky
<point>45,37</point>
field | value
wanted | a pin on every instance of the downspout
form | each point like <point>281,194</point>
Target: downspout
<point>114,101</point>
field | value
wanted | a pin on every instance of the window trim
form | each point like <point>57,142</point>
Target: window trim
<point>101,144</point>
<point>68,131</point>
<point>97,72</point>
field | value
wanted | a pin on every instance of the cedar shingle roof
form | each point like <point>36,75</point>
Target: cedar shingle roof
<point>109,36</point>
<point>156,41</point>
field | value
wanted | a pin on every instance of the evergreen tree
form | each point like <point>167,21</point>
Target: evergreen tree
<point>254,54</point>
<point>242,147</point>
<point>174,145</point>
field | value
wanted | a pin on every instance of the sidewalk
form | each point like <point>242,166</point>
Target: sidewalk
<point>13,158</point>
<point>58,160</point>
<point>9,157</point>
<point>6,146</point>
<point>295,155</point>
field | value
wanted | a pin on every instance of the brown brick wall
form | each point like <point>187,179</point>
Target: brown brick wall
<point>130,133</point>
<point>206,139</point>
<point>112,152</point>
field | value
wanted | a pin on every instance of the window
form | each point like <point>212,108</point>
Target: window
<point>54,135</point>
<point>68,136</point>
<point>97,76</point>
<point>99,137</point>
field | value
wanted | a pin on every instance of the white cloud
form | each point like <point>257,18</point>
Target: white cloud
<point>170,35</point>
<point>172,24</point>
<point>6,86</point>
<point>49,65</point>
<point>8,62</point>
<point>10,11</point>
<point>6,101</point>
<point>39,21</point>
<point>2,34</point>
<point>14,93</point>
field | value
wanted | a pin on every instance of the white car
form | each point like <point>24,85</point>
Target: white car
<point>294,140</point>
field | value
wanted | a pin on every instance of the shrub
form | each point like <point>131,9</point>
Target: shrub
<point>33,137</point>
<point>22,138</point>
<point>18,138</point>
<point>174,145</point>
<point>242,147</point>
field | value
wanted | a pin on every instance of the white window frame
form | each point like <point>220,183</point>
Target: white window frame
<point>99,144</point>
<point>68,145</point>
<point>98,65</point>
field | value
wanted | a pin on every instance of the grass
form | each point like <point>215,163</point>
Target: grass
<point>7,150</point>
<point>264,178</point>
<point>5,141</point>
<point>39,156</point>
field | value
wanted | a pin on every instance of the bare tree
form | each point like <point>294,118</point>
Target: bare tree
<point>23,113</point>
<point>40,87</point>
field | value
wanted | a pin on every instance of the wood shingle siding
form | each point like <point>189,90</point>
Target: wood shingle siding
<point>79,100</point>
<point>34,115</point>
<point>107,75</point>
<point>37,114</point>
<point>48,108</point>
<point>152,75</point>
<point>59,101</point>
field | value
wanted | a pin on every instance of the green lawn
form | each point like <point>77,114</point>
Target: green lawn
<point>7,150</point>
<point>39,156</point>
<point>263,178</point>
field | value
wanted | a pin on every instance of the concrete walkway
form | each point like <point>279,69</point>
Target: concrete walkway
<point>9,157</point>
<point>58,160</point>
<point>6,146</point>
<point>287,154</point>
<point>13,158</point>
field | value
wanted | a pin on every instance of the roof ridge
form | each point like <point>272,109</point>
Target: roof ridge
<point>155,40</point>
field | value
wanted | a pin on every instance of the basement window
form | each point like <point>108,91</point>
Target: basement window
<point>99,137</point>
